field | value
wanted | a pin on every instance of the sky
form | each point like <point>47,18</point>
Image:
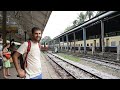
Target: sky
<point>58,22</point>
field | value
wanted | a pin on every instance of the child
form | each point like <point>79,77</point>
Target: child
<point>6,62</point>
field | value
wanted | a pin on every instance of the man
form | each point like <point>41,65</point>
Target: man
<point>33,68</point>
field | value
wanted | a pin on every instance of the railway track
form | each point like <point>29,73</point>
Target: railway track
<point>110,63</point>
<point>73,70</point>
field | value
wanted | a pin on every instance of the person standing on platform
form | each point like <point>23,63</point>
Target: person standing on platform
<point>6,61</point>
<point>32,67</point>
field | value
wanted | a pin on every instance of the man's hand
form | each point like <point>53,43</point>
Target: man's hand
<point>21,73</point>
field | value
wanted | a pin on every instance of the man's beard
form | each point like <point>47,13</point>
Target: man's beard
<point>37,40</point>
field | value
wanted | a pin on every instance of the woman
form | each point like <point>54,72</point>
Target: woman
<point>6,61</point>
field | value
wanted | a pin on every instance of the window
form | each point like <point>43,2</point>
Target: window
<point>118,33</point>
<point>91,44</point>
<point>87,44</point>
<point>113,43</point>
<point>97,44</point>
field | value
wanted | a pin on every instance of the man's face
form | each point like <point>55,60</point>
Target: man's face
<point>37,35</point>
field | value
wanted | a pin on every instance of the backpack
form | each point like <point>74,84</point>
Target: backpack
<point>28,50</point>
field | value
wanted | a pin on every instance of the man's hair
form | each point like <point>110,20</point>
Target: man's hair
<point>36,28</point>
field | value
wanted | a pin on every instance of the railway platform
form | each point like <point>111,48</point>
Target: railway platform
<point>47,71</point>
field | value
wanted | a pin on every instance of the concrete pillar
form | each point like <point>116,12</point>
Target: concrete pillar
<point>79,48</point>
<point>93,50</point>
<point>59,44</point>
<point>70,46</point>
<point>63,42</point>
<point>102,35</point>
<point>74,41</point>
<point>84,38</point>
<point>49,44</point>
<point>25,35</point>
<point>67,42</point>
<point>54,42</point>
<point>4,31</point>
<point>53,45</point>
<point>118,52</point>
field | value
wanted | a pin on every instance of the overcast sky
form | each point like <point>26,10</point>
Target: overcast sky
<point>58,22</point>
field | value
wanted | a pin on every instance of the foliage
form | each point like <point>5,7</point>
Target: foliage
<point>89,14</point>
<point>46,39</point>
<point>82,18</point>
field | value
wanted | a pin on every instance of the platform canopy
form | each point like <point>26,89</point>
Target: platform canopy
<point>23,21</point>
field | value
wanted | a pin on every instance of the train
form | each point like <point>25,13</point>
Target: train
<point>44,48</point>
<point>111,41</point>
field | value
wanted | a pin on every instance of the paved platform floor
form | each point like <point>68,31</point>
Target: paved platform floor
<point>47,71</point>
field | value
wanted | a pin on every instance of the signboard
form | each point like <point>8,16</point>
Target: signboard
<point>12,29</point>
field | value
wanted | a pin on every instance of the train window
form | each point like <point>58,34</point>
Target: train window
<point>81,44</point>
<point>91,44</point>
<point>113,43</point>
<point>97,44</point>
<point>112,34</point>
<point>118,33</point>
<point>87,44</point>
<point>106,35</point>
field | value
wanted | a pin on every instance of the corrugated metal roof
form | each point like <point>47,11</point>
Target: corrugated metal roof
<point>26,20</point>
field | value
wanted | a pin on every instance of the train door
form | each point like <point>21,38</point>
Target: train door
<point>94,43</point>
<point>107,42</point>
<point>119,42</point>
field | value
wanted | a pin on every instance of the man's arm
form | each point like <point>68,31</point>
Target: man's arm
<point>20,71</point>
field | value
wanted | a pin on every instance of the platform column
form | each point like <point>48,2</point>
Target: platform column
<point>118,52</point>
<point>63,43</point>
<point>102,35</point>
<point>59,44</point>
<point>74,41</point>
<point>67,41</point>
<point>84,38</point>
<point>25,35</point>
<point>4,31</point>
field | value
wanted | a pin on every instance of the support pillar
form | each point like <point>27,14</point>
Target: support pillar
<point>4,31</point>
<point>102,36</point>
<point>59,44</point>
<point>25,35</point>
<point>74,41</point>
<point>84,38</point>
<point>118,52</point>
<point>67,42</point>
<point>63,43</point>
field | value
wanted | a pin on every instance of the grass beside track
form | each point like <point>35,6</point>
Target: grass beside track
<point>70,57</point>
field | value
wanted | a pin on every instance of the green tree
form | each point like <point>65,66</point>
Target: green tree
<point>89,14</point>
<point>99,12</point>
<point>46,40</point>
<point>75,22</point>
<point>81,18</point>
